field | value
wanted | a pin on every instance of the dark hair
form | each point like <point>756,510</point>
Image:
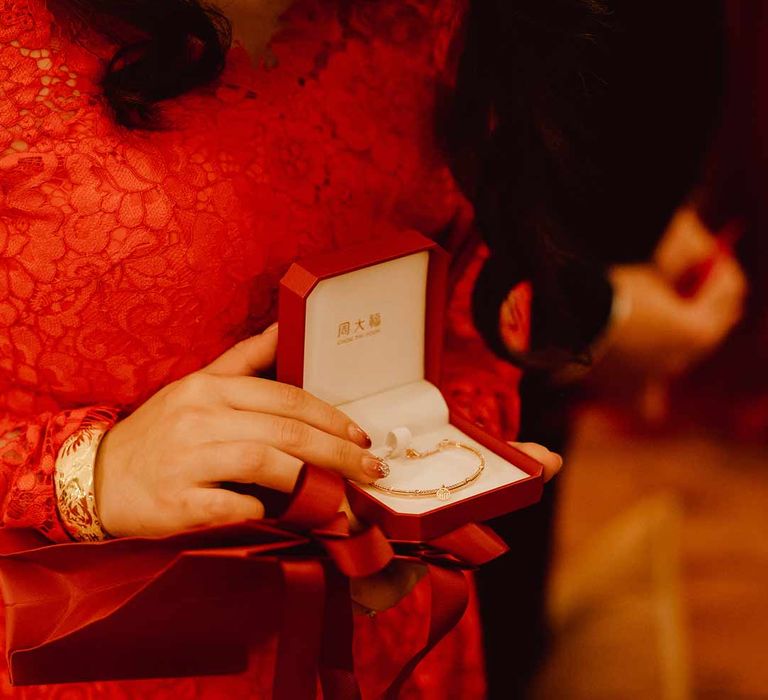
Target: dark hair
<point>166,48</point>
<point>519,131</point>
<point>514,125</point>
<point>577,132</point>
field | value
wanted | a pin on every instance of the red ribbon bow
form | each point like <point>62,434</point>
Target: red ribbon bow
<point>66,597</point>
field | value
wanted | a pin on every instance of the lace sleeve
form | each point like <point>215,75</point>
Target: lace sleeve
<point>28,450</point>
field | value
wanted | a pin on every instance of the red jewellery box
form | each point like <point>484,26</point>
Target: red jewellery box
<point>362,329</point>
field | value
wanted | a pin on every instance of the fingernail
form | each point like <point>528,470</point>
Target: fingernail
<point>359,435</point>
<point>375,467</point>
<point>270,329</point>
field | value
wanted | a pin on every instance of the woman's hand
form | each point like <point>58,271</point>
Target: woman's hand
<point>679,331</point>
<point>551,460</point>
<point>664,334</point>
<point>686,242</point>
<point>160,470</point>
<point>384,590</point>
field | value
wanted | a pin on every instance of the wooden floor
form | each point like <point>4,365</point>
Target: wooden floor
<point>723,491</point>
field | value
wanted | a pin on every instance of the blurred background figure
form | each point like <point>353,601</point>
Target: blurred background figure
<point>659,579</point>
<point>661,567</point>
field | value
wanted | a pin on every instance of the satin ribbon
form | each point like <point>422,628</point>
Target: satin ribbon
<point>317,555</point>
<point>364,554</point>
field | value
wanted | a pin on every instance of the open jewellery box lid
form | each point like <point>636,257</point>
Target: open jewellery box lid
<point>362,328</point>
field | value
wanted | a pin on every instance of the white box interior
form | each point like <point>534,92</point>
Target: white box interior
<point>364,352</point>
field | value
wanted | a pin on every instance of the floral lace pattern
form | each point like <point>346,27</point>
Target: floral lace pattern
<point>129,259</point>
<point>28,453</point>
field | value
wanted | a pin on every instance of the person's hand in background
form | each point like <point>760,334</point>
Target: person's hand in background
<point>663,334</point>
<point>686,242</point>
<point>680,306</point>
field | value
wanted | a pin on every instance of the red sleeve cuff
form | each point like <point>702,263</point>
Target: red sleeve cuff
<point>29,458</point>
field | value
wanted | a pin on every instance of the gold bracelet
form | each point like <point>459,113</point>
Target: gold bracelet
<point>444,491</point>
<point>74,473</point>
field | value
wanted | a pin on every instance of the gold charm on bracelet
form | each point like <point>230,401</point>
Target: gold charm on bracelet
<point>444,491</point>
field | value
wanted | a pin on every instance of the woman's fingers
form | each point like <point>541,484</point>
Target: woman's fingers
<point>249,356</point>
<point>551,460</point>
<point>296,438</point>
<point>722,296</point>
<point>264,396</point>
<point>206,506</point>
<point>685,242</point>
<point>713,312</point>
<point>239,389</point>
<point>245,462</point>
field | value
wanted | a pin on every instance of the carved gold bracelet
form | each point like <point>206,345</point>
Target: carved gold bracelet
<point>74,480</point>
<point>444,491</point>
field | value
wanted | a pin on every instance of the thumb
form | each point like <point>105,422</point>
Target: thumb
<point>249,356</point>
<point>551,460</point>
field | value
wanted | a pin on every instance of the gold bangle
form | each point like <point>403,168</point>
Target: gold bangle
<point>74,482</point>
<point>444,491</point>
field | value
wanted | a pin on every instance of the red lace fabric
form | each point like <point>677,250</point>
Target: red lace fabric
<point>129,259</point>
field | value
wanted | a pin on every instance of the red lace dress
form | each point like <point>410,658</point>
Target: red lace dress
<point>129,259</point>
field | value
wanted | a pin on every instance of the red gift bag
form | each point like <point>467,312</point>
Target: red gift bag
<point>195,602</point>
